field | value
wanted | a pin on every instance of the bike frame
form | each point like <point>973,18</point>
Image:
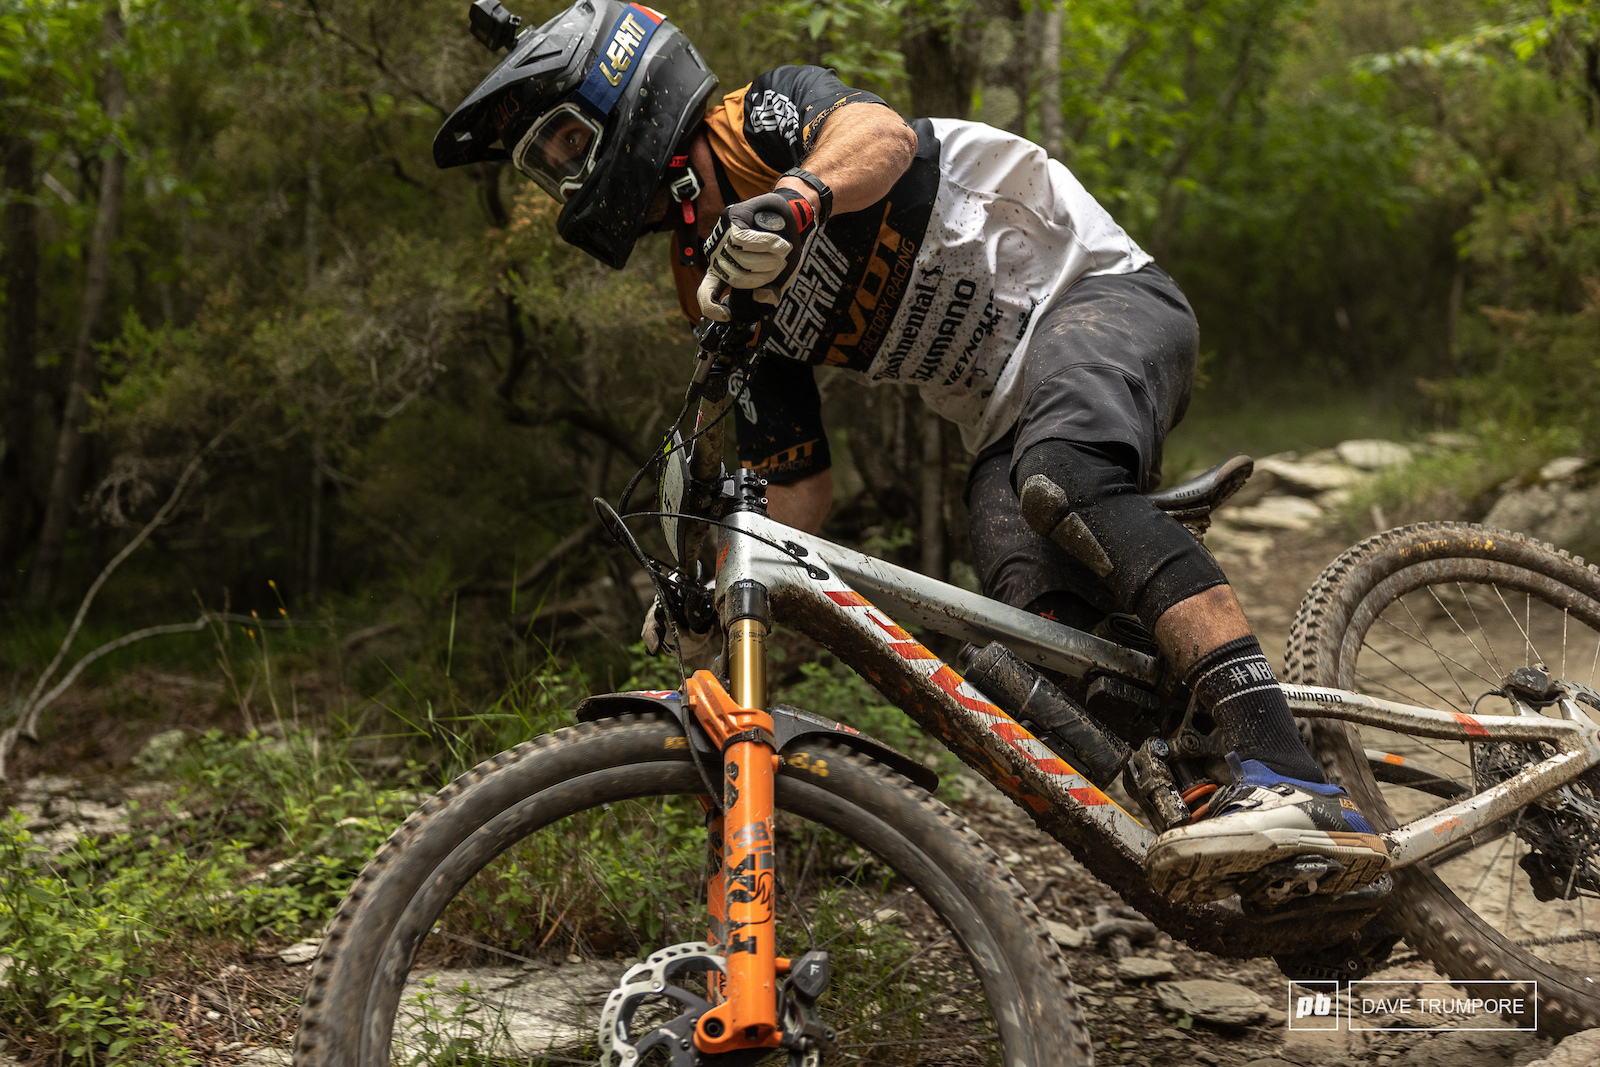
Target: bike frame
<point>847,602</point>
<point>843,613</point>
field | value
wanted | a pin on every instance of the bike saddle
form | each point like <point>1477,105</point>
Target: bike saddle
<point>1200,495</point>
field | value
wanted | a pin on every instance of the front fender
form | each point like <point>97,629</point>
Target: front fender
<point>789,726</point>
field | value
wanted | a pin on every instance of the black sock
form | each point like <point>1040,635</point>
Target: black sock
<point>1236,683</point>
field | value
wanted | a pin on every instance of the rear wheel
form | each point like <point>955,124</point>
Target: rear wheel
<point>1439,615</point>
<point>550,869</point>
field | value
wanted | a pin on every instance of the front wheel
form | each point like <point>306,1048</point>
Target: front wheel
<point>493,924</point>
<point>1439,615</point>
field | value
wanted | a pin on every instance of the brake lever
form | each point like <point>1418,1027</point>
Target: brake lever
<point>722,346</point>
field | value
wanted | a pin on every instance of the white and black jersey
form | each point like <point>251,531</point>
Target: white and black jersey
<point>936,285</point>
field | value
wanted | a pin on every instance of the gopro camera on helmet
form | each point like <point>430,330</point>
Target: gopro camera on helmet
<point>493,26</point>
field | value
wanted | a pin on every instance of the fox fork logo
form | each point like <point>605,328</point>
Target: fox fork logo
<point>1313,1005</point>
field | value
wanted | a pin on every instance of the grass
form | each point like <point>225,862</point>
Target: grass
<point>1220,424</point>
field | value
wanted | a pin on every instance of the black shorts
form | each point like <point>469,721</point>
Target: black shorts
<point>1111,364</point>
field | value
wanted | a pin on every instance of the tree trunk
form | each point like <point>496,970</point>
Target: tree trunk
<point>85,381</point>
<point>942,63</point>
<point>314,523</point>
<point>1050,126</point>
<point>313,200</point>
<point>1452,313</point>
<point>22,313</point>
<point>933,526</point>
<point>313,184</point>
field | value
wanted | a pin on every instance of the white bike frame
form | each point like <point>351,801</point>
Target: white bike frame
<point>850,608</point>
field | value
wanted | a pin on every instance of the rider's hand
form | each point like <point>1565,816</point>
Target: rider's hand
<point>699,649</point>
<point>757,244</point>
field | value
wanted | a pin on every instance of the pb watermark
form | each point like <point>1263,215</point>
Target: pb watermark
<point>1401,1005</point>
<point>1314,1005</point>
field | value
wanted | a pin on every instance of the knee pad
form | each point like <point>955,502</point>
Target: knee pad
<point>1086,502</point>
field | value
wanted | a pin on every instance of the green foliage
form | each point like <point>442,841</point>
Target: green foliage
<point>79,933</point>
<point>829,688</point>
<point>1544,379</point>
<point>855,37</point>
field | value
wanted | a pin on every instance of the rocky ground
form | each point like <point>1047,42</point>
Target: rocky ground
<point>1150,1001</point>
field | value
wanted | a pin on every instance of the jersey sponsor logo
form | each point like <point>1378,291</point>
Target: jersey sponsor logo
<point>877,297</point>
<point>796,458</point>
<point>923,294</point>
<point>773,111</point>
<point>806,314</point>
<point>988,319</point>
<point>1027,316</point>
<point>819,117</point>
<point>955,313</point>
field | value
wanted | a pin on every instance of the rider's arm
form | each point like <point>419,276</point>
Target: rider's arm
<point>804,116</point>
<point>861,151</point>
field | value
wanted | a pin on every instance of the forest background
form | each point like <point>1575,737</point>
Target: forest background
<point>389,391</point>
<point>319,424</point>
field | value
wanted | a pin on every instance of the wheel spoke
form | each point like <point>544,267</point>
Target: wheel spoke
<point>1527,642</point>
<point>1494,658</point>
<point>1438,695</point>
<point>1429,645</point>
<point>1463,629</point>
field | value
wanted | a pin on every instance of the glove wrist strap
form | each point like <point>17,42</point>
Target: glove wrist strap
<point>824,194</point>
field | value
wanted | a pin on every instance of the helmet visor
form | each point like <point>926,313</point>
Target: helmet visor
<point>560,150</point>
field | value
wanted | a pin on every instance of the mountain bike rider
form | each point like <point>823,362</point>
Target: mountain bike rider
<point>956,257</point>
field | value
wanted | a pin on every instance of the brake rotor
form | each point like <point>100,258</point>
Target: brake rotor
<point>653,982</point>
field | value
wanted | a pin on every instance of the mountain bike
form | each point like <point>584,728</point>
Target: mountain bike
<point>744,882</point>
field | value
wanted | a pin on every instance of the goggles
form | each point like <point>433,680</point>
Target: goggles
<point>560,150</point>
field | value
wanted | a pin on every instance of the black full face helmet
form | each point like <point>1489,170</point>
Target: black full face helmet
<point>593,106</point>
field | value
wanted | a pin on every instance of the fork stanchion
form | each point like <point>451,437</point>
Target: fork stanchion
<point>747,662</point>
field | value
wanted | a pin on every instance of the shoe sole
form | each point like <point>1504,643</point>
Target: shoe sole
<point>1203,867</point>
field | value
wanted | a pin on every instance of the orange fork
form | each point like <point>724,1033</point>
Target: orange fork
<point>742,896</point>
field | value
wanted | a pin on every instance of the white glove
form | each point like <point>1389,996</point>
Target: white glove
<point>756,243</point>
<point>699,649</point>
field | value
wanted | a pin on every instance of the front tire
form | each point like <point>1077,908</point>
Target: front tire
<point>972,977</point>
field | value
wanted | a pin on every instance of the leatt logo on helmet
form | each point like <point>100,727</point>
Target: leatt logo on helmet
<point>625,43</point>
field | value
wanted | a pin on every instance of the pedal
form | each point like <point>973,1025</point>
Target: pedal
<point>1368,896</point>
<point>1287,880</point>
